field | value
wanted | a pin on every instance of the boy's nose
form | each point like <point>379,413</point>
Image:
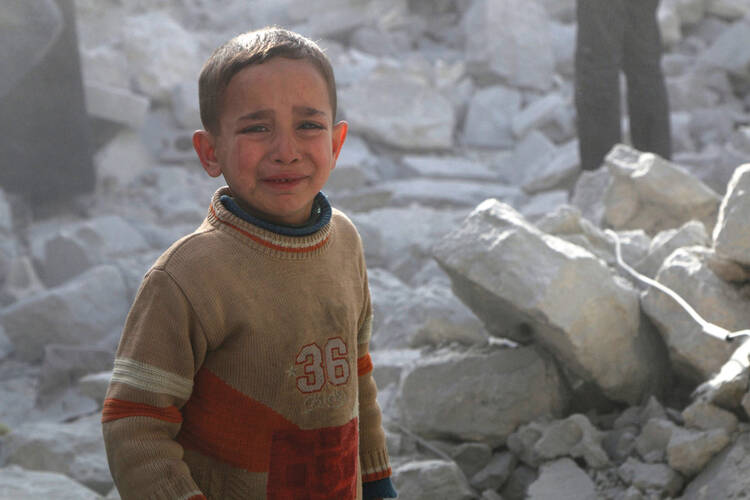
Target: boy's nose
<point>285,149</point>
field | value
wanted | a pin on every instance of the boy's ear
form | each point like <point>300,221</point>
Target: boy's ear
<point>204,144</point>
<point>338,136</point>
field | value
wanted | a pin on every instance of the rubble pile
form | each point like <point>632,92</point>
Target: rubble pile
<point>514,358</point>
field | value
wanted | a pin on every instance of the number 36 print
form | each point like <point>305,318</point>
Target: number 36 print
<point>330,364</point>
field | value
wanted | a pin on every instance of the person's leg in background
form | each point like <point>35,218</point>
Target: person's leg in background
<point>598,59</point>
<point>648,102</point>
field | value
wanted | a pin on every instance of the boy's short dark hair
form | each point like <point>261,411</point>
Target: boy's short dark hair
<point>255,47</point>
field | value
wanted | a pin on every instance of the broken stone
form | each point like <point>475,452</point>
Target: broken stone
<point>520,54</point>
<point>488,122</point>
<point>75,449</point>
<point>375,107</point>
<point>115,104</point>
<point>725,476</point>
<point>19,484</point>
<point>81,312</point>
<point>694,354</point>
<point>562,480</point>
<point>658,477</point>
<point>730,235</point>
<point>653,194</point>
<point>430,479</point>
<point>652,442</point>
<point>494,389</point>
<point>692,233</point>
<point>525,284</point>
<point>495,473</point>
<point>689,451</point>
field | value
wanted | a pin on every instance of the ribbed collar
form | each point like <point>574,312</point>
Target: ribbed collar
<point>320,216</point>
<point>265,236</point>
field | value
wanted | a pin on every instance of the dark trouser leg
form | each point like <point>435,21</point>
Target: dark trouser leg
<point>597,86</point>
<point>648,104</point>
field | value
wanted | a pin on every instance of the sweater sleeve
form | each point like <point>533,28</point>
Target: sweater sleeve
<point>161,348</point>
<point>373,452</point>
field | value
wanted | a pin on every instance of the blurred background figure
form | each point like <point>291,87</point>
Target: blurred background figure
<point>615,35</point>
<point>45,139</point>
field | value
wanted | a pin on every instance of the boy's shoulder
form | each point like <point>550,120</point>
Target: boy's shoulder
<point>192,247</point>
<point>344,226</point>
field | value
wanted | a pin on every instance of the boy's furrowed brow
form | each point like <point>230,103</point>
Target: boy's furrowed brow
<point>308,111</point>
<point>256,115</point>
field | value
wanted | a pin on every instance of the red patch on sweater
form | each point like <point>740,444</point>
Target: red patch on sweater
<point>315,464</point>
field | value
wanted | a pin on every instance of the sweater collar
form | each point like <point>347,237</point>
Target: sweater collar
<point>319,217</point>
<point>266,237</point>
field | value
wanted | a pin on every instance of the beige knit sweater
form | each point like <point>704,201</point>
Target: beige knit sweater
<point>243,369</point>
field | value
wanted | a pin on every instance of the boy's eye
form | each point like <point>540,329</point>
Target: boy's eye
<point>310,126</point>
<point>254,129</point>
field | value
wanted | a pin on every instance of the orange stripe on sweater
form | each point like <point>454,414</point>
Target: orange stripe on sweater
<point>221,422</point>
<point>267,243</point>
<point>376,476</point>
<point>115,409</point>
<point>364,365</point>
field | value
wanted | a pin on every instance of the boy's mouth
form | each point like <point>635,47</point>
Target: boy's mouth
<point>283,180</point>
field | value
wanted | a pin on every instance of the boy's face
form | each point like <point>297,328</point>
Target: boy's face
<point>277,143</point>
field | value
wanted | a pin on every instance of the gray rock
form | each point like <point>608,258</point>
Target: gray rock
<point>728,387</point>
<point>557,170</point>
<point>22,279</point>
<point>159,52</point>
<point>430,479</point>
<point>495,473</point>
<point>518,483</point>
<point>689,451</point>
<point>375,107</point>
<point>658,477</point>
<point>511,274</point>
<point>75,247</point>
<point>446,193</point>
<point>562,480</point>
<point>95,385</point>
<point>534,149</point>
<point>521,53</point>
<point>652,442</point>
<point>488,119</point>
<point>539,205</point>
<point>574,436</point>
<point>588,194</point>
<point>426,315</point>
<point>653,194</point>
<point>471,457</point>
<point>74,449</point>
<point>692,233</point>
<point>185,108</point>
<point>81,312</point>
<point>730,235</point>
<point>480,395</point>
<point>705,416</point>
<point>126,148</point>
<point>449,167</point>
<point>116,104</point>
<point>725,476</point>
<point>400,238</point>
<point>729,52</point>
<point>17,483</point>
<point>64,365</point>
<point>537,114</point>
<point>694,354</point>
<point>728,9</point>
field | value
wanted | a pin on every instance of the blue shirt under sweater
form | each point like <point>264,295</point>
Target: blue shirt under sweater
<point>319,217</point>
